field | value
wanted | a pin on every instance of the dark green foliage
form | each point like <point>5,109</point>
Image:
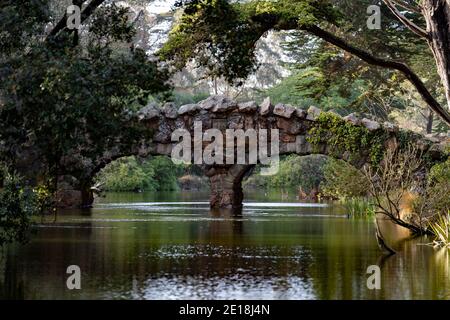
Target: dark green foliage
<point>127,175</point>
<point>166,173</point>
<point>65,99</point>
<point>333,178</point>
<point>435,199</point>
<point>287,92</point>
<point>229,30</point>
<point>296,172</point>
<point>305,88</point>
<point>18,203</point>
<point>19,21</point>
<point>222,35</point>
<point>440,172</point>
<point>328,72</point>
<point>221,44</point>
<point>111,23</point>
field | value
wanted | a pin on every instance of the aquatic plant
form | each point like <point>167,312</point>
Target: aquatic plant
<point>441,230</point>
<point>358,207</point>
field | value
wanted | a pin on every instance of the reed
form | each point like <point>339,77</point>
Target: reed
<point>441,230</point>
<point>358,207</point>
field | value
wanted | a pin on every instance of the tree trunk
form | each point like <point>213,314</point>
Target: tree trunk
<point>87,195</point>
<point>430,120</point>
<point>437,17</point>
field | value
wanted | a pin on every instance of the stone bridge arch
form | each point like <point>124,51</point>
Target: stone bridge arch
<point>302,132</point>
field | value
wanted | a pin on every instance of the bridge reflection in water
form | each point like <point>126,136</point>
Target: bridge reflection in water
<point>150,247</point>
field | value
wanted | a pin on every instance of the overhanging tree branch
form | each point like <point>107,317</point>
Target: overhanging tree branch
<point>407,6</point>
<point>369,58</point>
<point>292,24</point>
<point>85,14</point>
<point>408,23</point>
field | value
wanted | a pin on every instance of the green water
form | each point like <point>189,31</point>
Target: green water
<point>170,246</point>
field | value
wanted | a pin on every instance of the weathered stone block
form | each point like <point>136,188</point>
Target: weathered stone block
<point>313,113</point>
<point>300,113</point>
<point>249,122</point>
<point>290,126</point>
<point>149,112</point>
<point>353,119</point>
<point>302,145</point>
<point>170,111</point>
<point>188,109</point>
<point>265,107</point>
<point>236,122</point>
<point>250,106</point>
<point>285,137</point>
<point>218,100</point>
<point>284,110</point>
<point>370,124</point>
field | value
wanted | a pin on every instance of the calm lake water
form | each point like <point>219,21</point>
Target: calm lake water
<point>170,246</point>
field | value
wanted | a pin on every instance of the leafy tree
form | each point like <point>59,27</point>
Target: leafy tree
<point>70,96</point>
<point>221,35</point>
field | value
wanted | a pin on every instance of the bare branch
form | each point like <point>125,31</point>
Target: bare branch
<point>407,6</point>
<point>138,16</point>
<point>85,14</point>
<point>408,23</point>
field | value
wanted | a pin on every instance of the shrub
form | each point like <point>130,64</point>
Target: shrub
<point>183,98</point>
<point>342,180</point>
<point>129,174</point>
<point>166,173</point>
<point>295,172</point>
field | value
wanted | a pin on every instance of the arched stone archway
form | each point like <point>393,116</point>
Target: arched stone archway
<point>302,132</point>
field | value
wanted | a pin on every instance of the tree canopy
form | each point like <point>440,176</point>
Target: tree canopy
<point>71,92</point>
<point>221,35</point>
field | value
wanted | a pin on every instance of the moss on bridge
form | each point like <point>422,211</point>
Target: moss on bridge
<point>341,136</point>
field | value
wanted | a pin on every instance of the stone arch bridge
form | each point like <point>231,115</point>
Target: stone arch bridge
<point>303,132</point>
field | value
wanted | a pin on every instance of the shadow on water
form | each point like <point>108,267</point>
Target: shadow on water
<point>173,247</point>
